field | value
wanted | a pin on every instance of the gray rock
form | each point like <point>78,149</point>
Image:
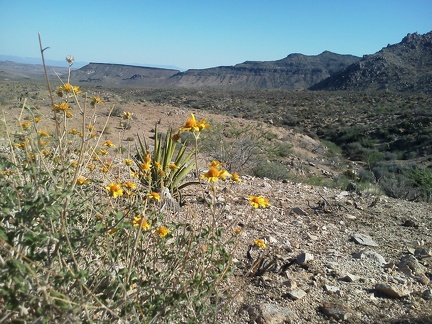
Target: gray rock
<point>392,291</point>
<point>339,312</point>
<point>351,278</point>
<point>363,239</point>
<point>296,294</point>
<point>372,255</point>
<point>331,289</point>
<point>410,266</point>
<point>304,258</point>
<point>269,314</point>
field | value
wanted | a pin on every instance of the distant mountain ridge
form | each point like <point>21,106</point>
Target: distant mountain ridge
<point>405,66</point>
<point>296,71</point>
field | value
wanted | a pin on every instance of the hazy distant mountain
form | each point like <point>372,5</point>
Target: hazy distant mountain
<point>406,66</point>
<point>296,71</point>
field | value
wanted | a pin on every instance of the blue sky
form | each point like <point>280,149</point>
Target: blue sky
<point>205,33</point>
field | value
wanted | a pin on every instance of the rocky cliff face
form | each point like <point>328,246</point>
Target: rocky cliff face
<point>296,71</point>
<point>406,66</point>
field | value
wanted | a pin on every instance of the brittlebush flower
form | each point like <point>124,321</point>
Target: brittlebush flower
<point>235,177</point>
<point>214,174</point>
<point>216,164</point>
<point>62,107</point>
<point>173,166</point>
<point>114,189</point>
<point>128,162</point>
<point>137,221</point>
<point>96,100</point>
<point>91,167</point>
<point>154,195</point>
<point>43,133</point>
<point>36,119</point>
<point>82,181</point>
<point>129,185</point>
<point>260,243</point>
<point>25,124</point>
<point>68,88</point>
<point>109,143</point>
<point>127,115</point>
<point>146,167</point>
<point>163,231</point>
<point>192,125</point>
<point>258,201</point>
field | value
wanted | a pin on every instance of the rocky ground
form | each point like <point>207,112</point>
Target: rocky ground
<point>331,255</point>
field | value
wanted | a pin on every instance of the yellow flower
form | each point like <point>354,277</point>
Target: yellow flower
<point>43,143</point>
<point>103,152</point>
<point>259,201</point>
<point>109,143</point>
<point>62,107</point>
<point>82,181</point>
<point>25,124</point>
<point>129,185</point>
<point>74,131</point>
<point>223,174</point>
<point>114,189</point>
<point>43,133</point>
<point>146,167</point>
<point>96,100</point>
<point>216,164</point>
<point>67,87</point>
<point>155,196</point>
<point>127,115</point>
<point>260,243</point>
<point>128,162</point>
<point>192,125</point>
<point>235,177</point>
<point>163,231</point>
<point>212,174</point>
<point>69,114</point>
<point>137,221</point>
<point>104,169</point>
<point>90,167</point>
<point>74,164</point>
<point>21,145</point>
<point>36,119</point>
<point>158,165</point>
<point>173,166</point>
<point>237,230</point>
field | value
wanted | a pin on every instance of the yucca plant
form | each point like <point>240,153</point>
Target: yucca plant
<point>166,166</point>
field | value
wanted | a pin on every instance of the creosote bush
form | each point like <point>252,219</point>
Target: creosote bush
<point>93,233</point>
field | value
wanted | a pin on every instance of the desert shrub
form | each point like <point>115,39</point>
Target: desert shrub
<point>117,112</point>
<point>271,170</point>
<point>282,149</point>
<point>239,148</point>
<point>84,238</point>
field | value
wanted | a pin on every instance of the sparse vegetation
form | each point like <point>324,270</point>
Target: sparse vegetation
<point>90,232</point>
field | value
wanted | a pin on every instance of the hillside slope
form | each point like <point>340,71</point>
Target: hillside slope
<point>406,66</point>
